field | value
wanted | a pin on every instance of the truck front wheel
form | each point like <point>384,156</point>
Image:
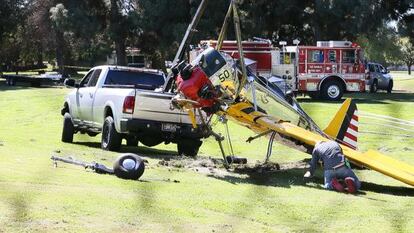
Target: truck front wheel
<point>111,140</point>
<point>188,147</point>
<point>68,128</point>
<point>332,90</point>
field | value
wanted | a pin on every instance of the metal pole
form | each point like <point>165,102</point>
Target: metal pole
<point>190,32</point>
<point>239,47</point>
<point>223,30</point>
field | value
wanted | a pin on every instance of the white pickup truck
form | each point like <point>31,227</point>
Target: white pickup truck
<point>127,103</point>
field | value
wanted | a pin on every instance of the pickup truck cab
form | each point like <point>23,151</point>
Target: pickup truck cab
<point>127,103</point>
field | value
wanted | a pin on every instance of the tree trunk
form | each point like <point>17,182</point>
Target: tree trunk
<point>118,33</point>
<point>60,44</point>
<point>39,55</point>
<point>120,52</point>
<point>158,61</point>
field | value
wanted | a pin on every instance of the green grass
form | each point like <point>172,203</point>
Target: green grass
<point>35,197</point>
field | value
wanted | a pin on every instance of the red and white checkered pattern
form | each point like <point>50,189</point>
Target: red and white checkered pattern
<point>351,135</point>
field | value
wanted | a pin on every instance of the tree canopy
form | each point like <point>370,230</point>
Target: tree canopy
<point>84,32</point>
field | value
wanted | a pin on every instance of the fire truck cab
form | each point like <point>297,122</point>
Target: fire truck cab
<point>326,70</point>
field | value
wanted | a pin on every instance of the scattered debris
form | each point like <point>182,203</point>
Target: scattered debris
<point>384,149</point>
<point>126,166</point>
<point>407,149</point>
<point>215,167</point>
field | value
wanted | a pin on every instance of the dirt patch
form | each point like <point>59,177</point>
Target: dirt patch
<point>215,167</point>
<point>269,167</point>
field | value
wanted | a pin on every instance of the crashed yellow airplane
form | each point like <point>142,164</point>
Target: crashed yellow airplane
<point>216,83</point>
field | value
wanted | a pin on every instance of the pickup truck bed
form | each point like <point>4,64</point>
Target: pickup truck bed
<point>123,103</point>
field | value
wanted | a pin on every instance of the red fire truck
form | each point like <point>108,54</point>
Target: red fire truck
<point>326,70</point>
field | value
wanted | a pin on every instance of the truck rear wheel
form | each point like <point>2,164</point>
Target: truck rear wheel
<point>111,140</point>
<point>332,90</point>
<point>188,147</point>
<point>390,86</point>
<point>68,128</point>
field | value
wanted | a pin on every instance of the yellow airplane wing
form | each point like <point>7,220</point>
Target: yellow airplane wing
<point>260,122</point>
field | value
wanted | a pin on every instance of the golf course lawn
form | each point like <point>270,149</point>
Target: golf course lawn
<point>37,197</point>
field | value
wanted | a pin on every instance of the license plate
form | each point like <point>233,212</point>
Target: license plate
<point>169,127</point>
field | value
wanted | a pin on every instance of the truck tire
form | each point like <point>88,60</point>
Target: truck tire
<point>188,147</point>
<point>390,86</point>
<point>91,134</point>
<point>111,140</point>
<point>131,141</point>
<point>374,86</point>
<point>332,90</point>
<point>68,128</point>
<point>151,140</point>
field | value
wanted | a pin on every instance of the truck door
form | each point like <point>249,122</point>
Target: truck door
<point>85,95</point>
<point>332,62</point>
<point>382,77</point>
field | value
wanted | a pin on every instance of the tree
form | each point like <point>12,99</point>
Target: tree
<point>59,15</point>
<point>381,47</point>
<point>407,52</point>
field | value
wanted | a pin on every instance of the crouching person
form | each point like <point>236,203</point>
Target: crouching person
<point>338,174</point>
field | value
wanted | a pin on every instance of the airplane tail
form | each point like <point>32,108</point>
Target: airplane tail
<point>344,126</point>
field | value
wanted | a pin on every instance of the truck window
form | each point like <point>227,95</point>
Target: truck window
<point>377,69</point>
<point>315,56</point>
<point>382,69</point>
<point>332,56</point>
<point>371,68</point>
<point>148,81</point>
<point>86,79</point>
<point>287,58</point>
<point>94,78</point>
<point>348,56</point>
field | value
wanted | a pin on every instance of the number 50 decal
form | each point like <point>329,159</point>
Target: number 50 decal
<point>223,76</point>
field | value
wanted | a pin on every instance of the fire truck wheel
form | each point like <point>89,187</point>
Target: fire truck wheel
<point>332,90</point>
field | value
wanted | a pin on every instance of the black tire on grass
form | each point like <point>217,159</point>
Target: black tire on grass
<point>133,174</point>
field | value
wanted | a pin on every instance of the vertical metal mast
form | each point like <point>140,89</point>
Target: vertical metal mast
<point>190,32</point>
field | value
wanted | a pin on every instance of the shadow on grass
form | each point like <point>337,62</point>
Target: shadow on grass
<point>294,177</point>
<point>25,86</point>
<point>282,178</point>
<point>140,150</point>
<point>383,189</point>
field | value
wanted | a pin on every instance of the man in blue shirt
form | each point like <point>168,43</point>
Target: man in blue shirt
<point>336,167</point>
